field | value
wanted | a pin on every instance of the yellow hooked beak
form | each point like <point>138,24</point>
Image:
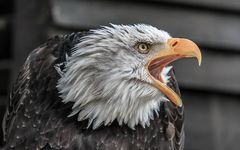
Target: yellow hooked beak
<point>176,48</point>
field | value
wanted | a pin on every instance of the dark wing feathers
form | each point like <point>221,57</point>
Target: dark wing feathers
<point>34,117</point>
<point>17,96</point>
<point>37,119</point>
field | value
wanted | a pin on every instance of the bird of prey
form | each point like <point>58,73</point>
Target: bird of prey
<point>110,88</point>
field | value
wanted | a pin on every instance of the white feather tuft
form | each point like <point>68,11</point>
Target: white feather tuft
<point>164,74</point>
<point>106,79</point>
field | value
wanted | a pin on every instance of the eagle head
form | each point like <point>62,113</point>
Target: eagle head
<point>121,73</point>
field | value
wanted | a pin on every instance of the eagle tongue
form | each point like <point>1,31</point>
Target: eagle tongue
<point>156,72</point>
<point>173,84</point>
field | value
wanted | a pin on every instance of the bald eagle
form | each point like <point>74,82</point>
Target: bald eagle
<point>109,89</point>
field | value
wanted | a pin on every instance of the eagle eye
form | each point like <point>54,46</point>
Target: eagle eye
<point>143,48</point>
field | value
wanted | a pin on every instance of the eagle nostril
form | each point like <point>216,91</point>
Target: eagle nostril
<point>174,44</point>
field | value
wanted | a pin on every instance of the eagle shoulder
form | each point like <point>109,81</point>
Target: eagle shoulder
<point>34,117</point>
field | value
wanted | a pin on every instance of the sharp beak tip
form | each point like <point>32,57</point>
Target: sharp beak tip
<point>199,63</point>
<point>199,57</point>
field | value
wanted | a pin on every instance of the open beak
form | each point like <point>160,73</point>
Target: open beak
<point>176,48</point>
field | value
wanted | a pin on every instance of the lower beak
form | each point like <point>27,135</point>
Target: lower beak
<point>176,48</point>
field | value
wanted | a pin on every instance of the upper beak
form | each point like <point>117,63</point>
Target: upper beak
<point>176,48</point>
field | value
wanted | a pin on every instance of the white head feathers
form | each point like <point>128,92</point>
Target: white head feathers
<point>106,80</point>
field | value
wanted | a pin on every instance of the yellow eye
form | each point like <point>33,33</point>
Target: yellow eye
<point>143,48</point>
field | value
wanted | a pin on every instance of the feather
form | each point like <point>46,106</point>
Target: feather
<point>37,116</point>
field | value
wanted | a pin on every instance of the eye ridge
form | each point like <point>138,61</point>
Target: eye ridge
<point>143,48</point>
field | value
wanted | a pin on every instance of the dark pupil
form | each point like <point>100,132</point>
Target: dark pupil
<point>143,46</point>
